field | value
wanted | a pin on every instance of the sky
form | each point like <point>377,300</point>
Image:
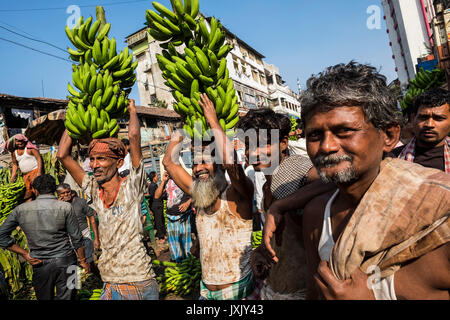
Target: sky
<point>300,37</point>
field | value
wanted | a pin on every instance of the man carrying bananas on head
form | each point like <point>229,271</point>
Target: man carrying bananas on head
<point>124,264</point>
<point>224,212</point>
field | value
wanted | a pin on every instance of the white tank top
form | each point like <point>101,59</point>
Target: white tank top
<point>225,245</point>
<point>384,289</point>
<point>326,242</point>
<point>26,162</point>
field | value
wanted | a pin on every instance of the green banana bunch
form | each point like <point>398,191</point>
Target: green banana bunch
<point>201,68</point>
<point>5,175</point>
<point>175,26</point>
<point>52,166</point>
<point>102,81</point>
<point>16,273</point>
<point>180,278</point>
<point>96,293</point>
<point>11,195</point>
<point>256,238</point>
<point>424,80</point>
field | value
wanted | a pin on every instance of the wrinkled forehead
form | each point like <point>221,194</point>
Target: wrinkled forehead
<point>199,157</point>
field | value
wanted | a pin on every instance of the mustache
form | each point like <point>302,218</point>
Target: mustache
<point>428,130</point>
<point>197,174</point>
<point>331,160</point>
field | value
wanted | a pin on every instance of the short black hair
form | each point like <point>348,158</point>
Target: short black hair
<point>125,141</point>
<point>429,99</point>
<point>265,118</point>
<point>152,175</point>
<point>44,184</point>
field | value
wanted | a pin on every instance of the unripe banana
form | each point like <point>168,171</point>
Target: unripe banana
<point>165,11</point>
<point>104,32</point>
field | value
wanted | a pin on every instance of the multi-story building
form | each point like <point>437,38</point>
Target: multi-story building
<point>245,65</point>
<point>410,34</point>
<point>282,98</point>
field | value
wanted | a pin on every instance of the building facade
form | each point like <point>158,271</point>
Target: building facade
<point>410,34</point>
<point>282,98</point>
<point>246,68</point>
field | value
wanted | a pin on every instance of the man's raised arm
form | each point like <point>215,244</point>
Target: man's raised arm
<point>178,174</point>
<point>64,156</point>
<point>134,135</point>
<point>239,181</point>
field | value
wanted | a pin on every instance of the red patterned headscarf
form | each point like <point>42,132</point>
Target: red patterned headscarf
<point>10,145</point>
<point>108,147</point>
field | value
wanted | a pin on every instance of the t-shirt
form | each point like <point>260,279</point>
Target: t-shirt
<point>175,197</point>
<point>82,211</point>
<point>154,203</point>
<point>431,158</point>
<point>124,258</point>
<point>126,164</point>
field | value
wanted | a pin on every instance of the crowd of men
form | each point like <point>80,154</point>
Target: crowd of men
<point>355,209</point>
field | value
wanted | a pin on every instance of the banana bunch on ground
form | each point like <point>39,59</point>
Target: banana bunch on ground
<point>17,274</point>
<point>256,238</point>
<point>200,68</point>
<point>424,80</point>
<point>11,195</point>
<point>104,79</point>
<point>5,175</point>
<point>180,278</point>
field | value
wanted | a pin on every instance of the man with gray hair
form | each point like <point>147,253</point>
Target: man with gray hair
<point>389,217</point>
<point>82,213</point>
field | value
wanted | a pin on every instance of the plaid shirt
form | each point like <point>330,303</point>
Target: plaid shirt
<point>409,151</point>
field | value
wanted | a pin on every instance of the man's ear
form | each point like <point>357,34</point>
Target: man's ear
<point>284,144</point>
<point>391,137</point>
<point>119,162</point>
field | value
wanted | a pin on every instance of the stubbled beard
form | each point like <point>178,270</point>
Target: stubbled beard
<point>342,176</point>
<point>206,192</point>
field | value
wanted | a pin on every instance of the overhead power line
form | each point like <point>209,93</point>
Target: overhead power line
<point>33,39</point>
<point>64,8</point>
<point>42,52</point>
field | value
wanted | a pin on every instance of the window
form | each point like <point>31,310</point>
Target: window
<point>243,51</point>
<point>244,69</point>
<point>269,78</point>
<point>255,75</point>
<point>262,79</point>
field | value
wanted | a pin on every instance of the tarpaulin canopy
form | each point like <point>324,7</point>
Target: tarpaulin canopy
<point>47,129</point>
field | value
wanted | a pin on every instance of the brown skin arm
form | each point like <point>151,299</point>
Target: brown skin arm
<point>242,185</point>
<point>38,157</point>
<point>184,206</point>
<point>296,200</point>
<point>427,277</point>
<point>312,229</point>
<point>95,230</point>
<point>160,190</point>
<point>82,260</point>
<point>19,250</point>
<point>15,167</point>
<point>64,156</point>
<point>180,176</point>
<point>134,135</point>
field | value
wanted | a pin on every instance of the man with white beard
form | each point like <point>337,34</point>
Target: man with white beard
<point>224,212</point>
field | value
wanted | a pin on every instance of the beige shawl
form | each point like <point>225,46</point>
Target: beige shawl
<point>402,216</point>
